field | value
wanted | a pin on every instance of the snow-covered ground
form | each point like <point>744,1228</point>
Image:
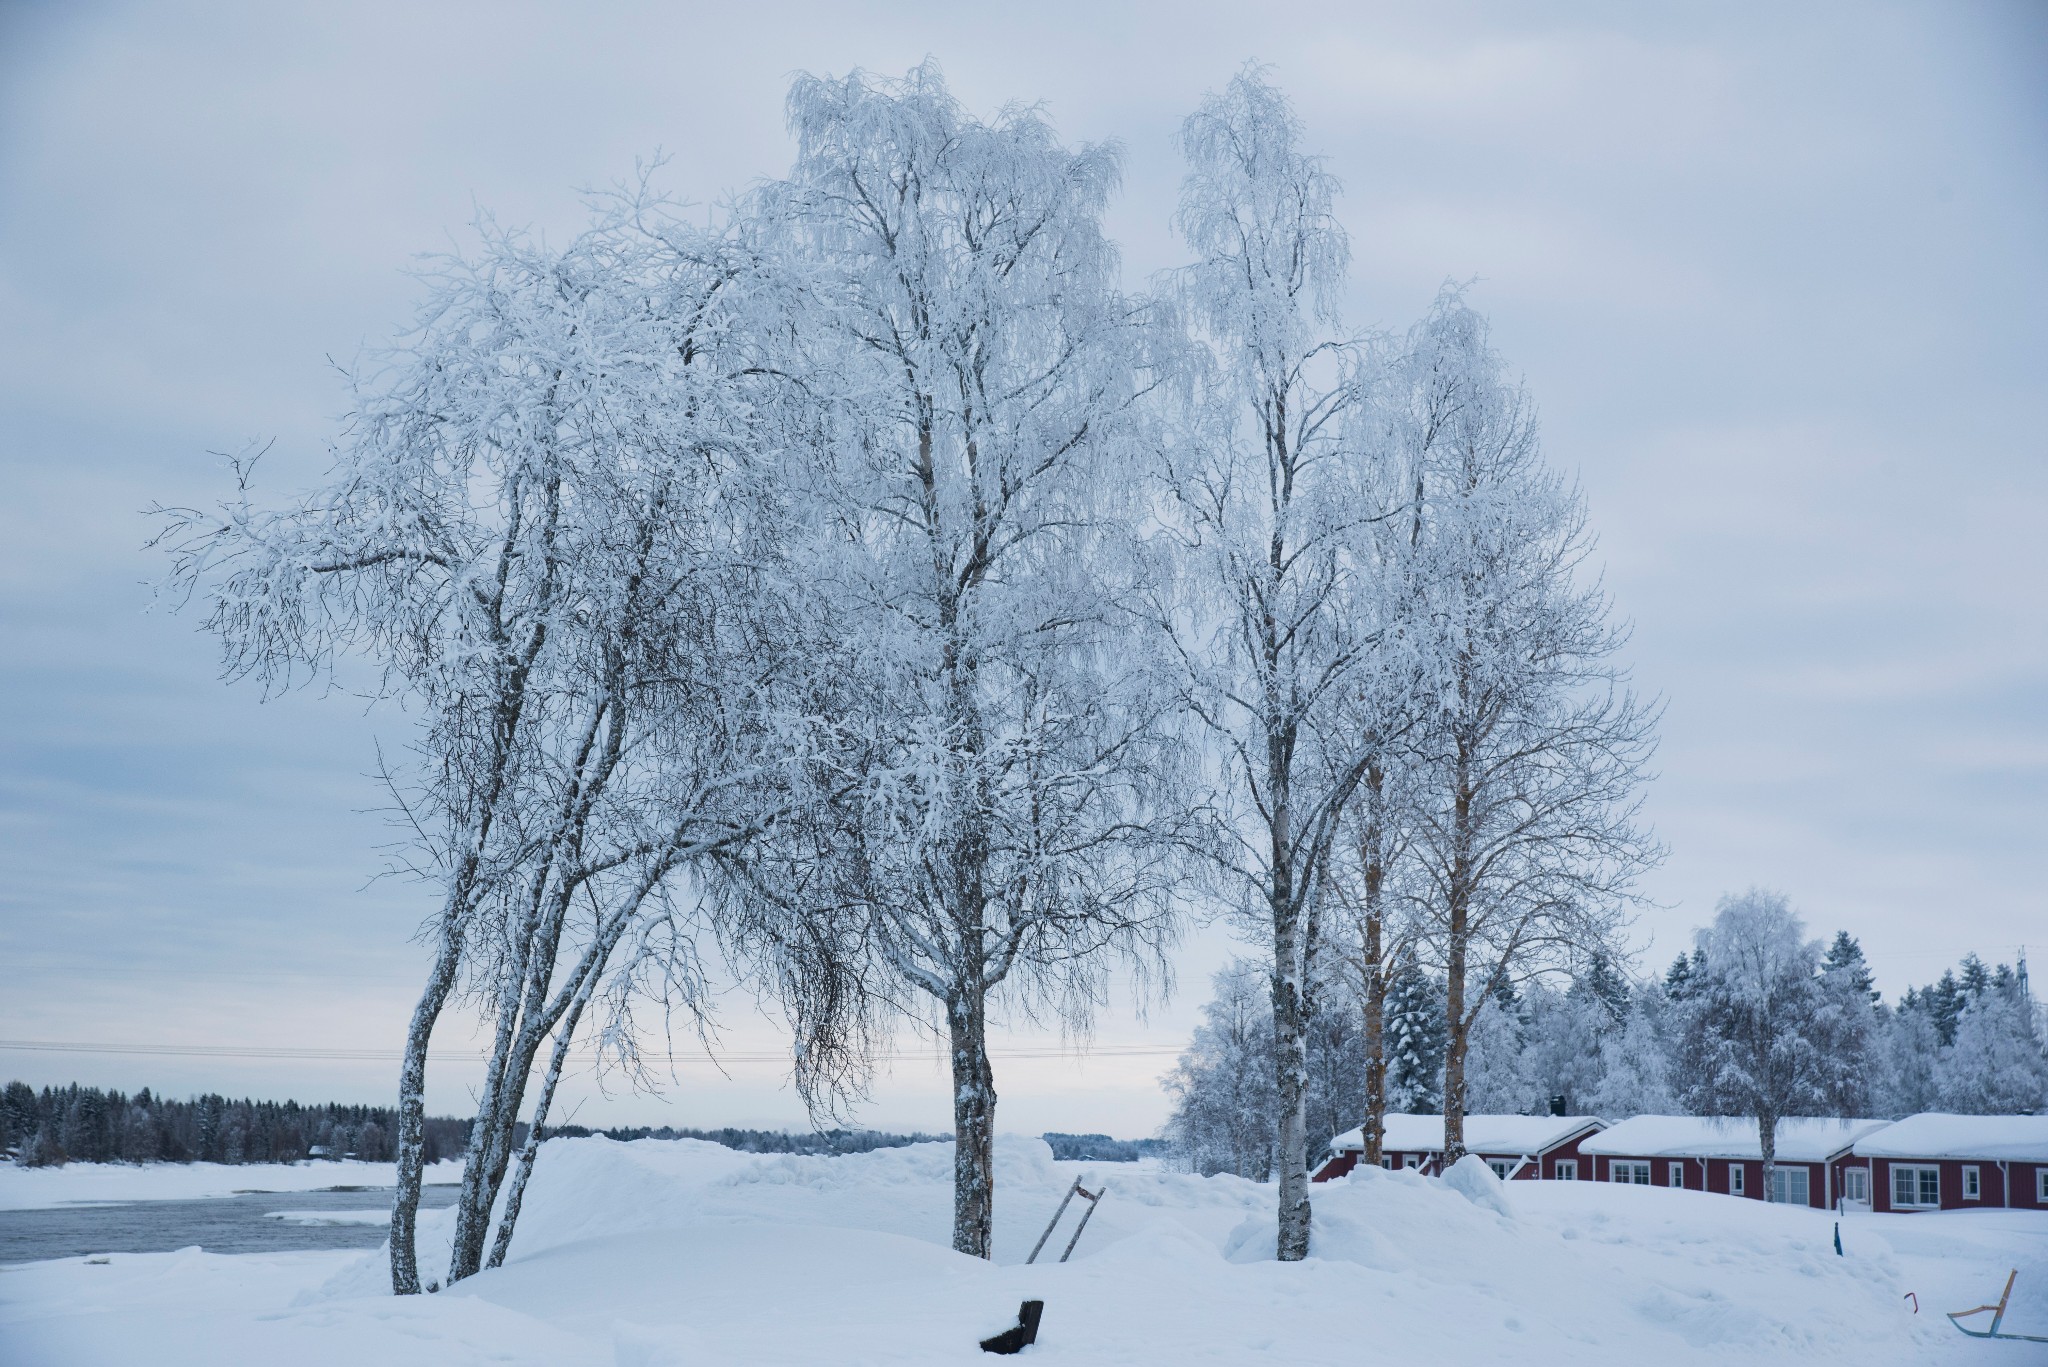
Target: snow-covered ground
<point>657,1254</point>
<point>74,1183</point>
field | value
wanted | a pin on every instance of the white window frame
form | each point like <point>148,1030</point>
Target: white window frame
<point>1411,1161</point>
<point>1387,1161</point>
<point>1503,1168</point>
<point>1973,1182</point>
<point>2041,1185</point>
<point>1781,1180</point>
<point>1918,1170</point>
<point>1638,1173</point>
<point>1674,1174</point>
<point>1567,1170</point>
<point>1738,1179</point>
<point>1853,1178</point>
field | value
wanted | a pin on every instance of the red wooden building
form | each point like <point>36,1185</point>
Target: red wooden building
<point>1699,1153</point>
<point>1516,1147</point>
<point>1951,1162</point>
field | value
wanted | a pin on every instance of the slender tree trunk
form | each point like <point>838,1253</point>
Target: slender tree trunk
<point>489,1135</point>
<point>541,1105</point>
<point>1767,1143</point>
<point>489,1152</point>
<point>974,1114</point>
<point>491,1155</point>
<point>1457,1032</point>
<point>1454,1074</point>
<point>1289,1050</point>
<point>412,1094</point>
<point>1374,1130</point>
<point>1458,947</point>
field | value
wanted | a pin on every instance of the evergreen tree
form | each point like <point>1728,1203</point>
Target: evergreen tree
<point>1600,983</point>
<point>1416,1036</point>
<point>19,1117</point>
<point>1976,980</point>
<point>1944,1002</point>
<point>1845,960</point>
<point>1678,979</point>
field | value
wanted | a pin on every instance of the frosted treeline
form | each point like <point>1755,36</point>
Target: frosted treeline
<point>1595,1041</point>
<point>58,1125</point>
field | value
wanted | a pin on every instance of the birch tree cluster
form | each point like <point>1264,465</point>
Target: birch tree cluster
<point>861,593</point>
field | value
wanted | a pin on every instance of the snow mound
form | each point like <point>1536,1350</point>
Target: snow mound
<point>581,1189</point>
<point>671,1252</point>
<point>1473,1180</point>
<point>1019,1159</point>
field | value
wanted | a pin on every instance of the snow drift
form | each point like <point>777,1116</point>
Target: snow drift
<point>668,1252</point>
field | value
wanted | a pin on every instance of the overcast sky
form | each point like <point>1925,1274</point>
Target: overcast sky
<point>1777,276</point>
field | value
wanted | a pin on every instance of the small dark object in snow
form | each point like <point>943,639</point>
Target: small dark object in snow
<point>1024,1332</point>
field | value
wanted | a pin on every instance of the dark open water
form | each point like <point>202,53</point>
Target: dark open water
<point>222,1224</point>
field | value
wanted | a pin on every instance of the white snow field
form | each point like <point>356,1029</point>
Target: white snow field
<point>80,1183</point>
<point>676,1253</point>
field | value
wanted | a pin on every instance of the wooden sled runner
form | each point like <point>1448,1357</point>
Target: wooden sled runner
<point>1957,1317</point>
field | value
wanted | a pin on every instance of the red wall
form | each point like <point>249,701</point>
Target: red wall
<point>1992,1193</point>
<point>1717,1176</point>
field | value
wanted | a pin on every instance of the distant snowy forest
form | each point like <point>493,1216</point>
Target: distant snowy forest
<point>1597,1042</point>
<point>88,1125</point>
<point>74,1124</point>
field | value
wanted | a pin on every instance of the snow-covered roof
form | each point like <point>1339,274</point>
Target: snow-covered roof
<point>1800,1139</point>
<point>1500,1134</point>
<point>2012,1138</point>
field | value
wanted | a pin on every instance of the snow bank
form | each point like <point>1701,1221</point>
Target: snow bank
<point>1473,1180</point>
<point>669,1252</point>
<point>76,1183</point>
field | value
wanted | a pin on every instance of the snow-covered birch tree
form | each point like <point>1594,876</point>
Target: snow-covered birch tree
<point>1997,1065</point>
<point>543,532</point>
<point>1529,771</point>
<point>998,763</point>
<point>1758,1031</point>
<point>1366,927</point>
<point>1263,493</point>
<point>1634,1072</point>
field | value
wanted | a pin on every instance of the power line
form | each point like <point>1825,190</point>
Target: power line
<point>393,1055</point>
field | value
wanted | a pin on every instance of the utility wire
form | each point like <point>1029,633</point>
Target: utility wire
<point>393,1055</point>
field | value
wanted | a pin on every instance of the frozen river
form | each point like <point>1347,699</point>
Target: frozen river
<point>247,1222</point>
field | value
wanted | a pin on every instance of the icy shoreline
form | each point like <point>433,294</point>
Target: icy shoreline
<point>78,1183</point>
